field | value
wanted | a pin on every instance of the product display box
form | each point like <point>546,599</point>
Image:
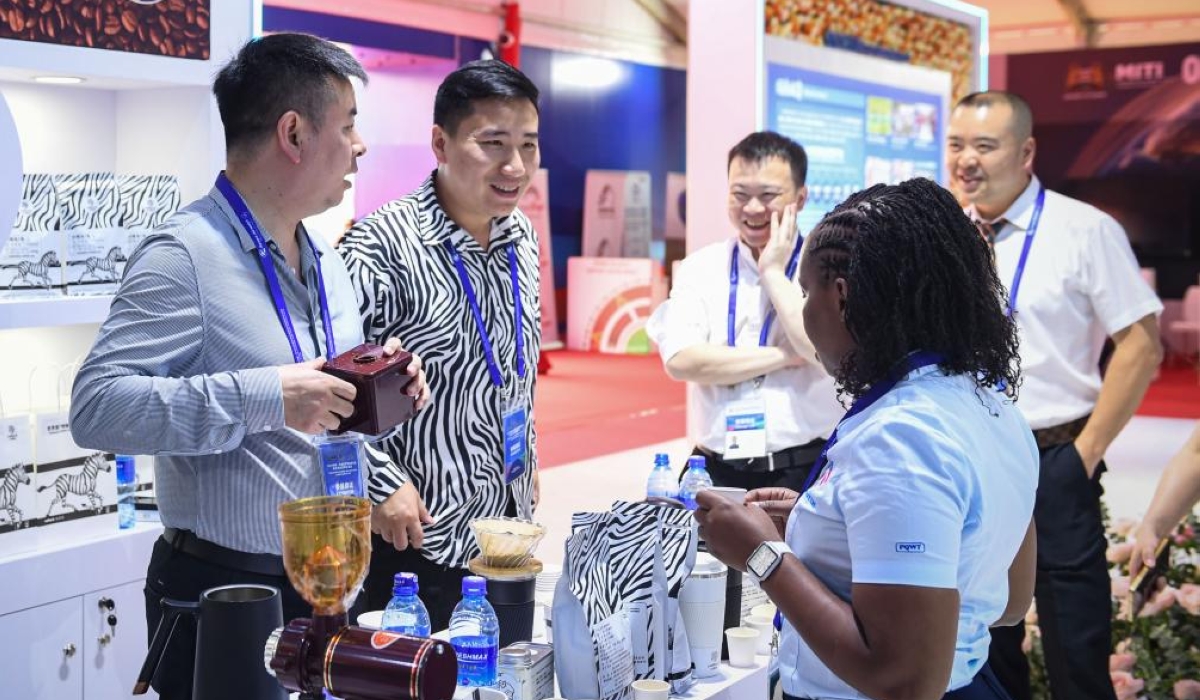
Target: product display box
<point>17,507</point>
<point>71,482</point>
<point>31,259</point>
<point>94,241</point>
<point>146,202</point>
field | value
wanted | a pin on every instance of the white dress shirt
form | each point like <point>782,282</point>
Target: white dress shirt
<point>1081,285</point>
<point>800,402</point>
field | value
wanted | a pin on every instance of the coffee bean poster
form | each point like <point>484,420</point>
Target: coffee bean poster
<point>178,28</point>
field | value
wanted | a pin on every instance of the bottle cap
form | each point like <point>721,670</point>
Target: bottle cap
<point>696,462</point>
<point>405,583</point>
<point>661,460</point>
<point>474,585</point>
<point>126,471</point>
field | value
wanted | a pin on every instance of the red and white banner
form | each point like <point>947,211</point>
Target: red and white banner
<point>609,301</point>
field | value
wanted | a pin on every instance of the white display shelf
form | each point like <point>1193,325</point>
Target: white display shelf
<point>97,556</point>
<point>57,311</point>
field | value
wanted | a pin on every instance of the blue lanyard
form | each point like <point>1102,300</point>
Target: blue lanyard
<point>489,355</point>
<point>1029,233</point>
<point>913,362</point>
<point>789,272</point>
<point>268,268</point>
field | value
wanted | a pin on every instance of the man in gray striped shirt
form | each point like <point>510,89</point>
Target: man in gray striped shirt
<point>195,363</point>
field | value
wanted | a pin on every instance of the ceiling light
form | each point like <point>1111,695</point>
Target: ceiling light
<point>586,72</point>
<point>58,79</point>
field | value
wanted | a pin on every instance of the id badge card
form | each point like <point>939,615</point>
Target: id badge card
<point>341,461</point>
<point>515,416</point>
<point>746,429</point>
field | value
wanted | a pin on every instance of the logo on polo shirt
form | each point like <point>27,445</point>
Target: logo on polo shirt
<point>910,547</point>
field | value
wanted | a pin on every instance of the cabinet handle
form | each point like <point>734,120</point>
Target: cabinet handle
<point>69,650</point>
<point>106,603</point>
<point>104,639</point>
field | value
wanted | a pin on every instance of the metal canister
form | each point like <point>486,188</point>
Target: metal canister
<point>543,668</point>
<point>514,673</point>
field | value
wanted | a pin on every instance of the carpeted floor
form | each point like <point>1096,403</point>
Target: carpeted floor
<point>591,404</point>
<point>1174,394</point>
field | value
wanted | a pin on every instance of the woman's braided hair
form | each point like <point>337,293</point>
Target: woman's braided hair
<point>920,277</point>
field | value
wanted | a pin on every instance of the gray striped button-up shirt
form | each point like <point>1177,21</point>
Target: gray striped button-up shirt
<point>186,368</point>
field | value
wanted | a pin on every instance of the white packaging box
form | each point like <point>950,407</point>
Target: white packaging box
<point>31,259</point>
<point>93,238</point>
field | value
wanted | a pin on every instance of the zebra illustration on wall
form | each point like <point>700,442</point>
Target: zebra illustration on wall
<point>81,484</point>
<point>12,478</point>
<point>41,269</point>
<point>106,265</point>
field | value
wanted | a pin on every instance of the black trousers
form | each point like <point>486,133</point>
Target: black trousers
<point>1073,591</point>
<point>725,474</point>
<point>440,586</point>
<point>983,687</point>
<point>177,575</point>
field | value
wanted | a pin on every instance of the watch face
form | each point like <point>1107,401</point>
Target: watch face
<point>761,559</point>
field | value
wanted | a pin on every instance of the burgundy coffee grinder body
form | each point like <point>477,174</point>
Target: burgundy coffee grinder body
<point>326,550</point>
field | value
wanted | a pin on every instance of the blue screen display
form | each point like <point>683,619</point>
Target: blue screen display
<point>856,133</point>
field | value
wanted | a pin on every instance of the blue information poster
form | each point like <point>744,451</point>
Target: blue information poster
<point>856,133</point>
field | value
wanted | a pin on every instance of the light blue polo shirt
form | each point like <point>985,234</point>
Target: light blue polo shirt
<point>932,485</point>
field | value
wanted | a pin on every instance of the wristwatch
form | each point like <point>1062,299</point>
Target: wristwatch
<point>765,559</point>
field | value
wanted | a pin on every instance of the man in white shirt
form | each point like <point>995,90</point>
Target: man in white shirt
<point>759,405</point>
<point>1073,282</point>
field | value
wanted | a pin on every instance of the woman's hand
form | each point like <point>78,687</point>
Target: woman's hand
<point>732,531</point>
<point>777,502</point>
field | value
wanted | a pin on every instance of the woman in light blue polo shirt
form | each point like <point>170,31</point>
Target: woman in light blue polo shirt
<point>916,535</point>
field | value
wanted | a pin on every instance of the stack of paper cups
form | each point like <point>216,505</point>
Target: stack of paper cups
<point>543,597</point>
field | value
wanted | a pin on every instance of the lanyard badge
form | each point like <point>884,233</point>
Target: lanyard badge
<point>341,458</point>
<point>514,407</point>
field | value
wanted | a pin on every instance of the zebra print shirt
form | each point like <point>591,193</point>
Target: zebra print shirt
<point>453,450</point>
<point>185,368</point>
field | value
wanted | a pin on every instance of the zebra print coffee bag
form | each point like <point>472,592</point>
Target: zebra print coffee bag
<point>16,474</point>
<point>95,242</point>
<point>616,603</point>
<point>146,202</point>
<point>30,261</point>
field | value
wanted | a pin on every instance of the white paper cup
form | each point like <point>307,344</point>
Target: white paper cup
<point>764,610</point>
<point>372,620</point>
<point>731,493</point>
<point>742,641</point>
<point>650,689</point>
<point>766,630</point>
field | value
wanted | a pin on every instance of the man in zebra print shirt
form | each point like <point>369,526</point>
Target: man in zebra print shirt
<point>452,270</point>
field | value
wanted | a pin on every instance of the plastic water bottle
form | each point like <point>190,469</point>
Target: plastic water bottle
<point>695,480</point>
<point>126,485</point>
<point>405,613</point>
<point>661,483</point>
<point>475,635</point>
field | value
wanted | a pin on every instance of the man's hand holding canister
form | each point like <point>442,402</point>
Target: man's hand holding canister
<point>314,401</point>
<point>418,388</point>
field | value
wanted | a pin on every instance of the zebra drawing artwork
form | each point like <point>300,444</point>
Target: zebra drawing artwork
<point>103,269</point>
<point>11,479</point>
<point>81,484</point>
<point>27,270</point>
